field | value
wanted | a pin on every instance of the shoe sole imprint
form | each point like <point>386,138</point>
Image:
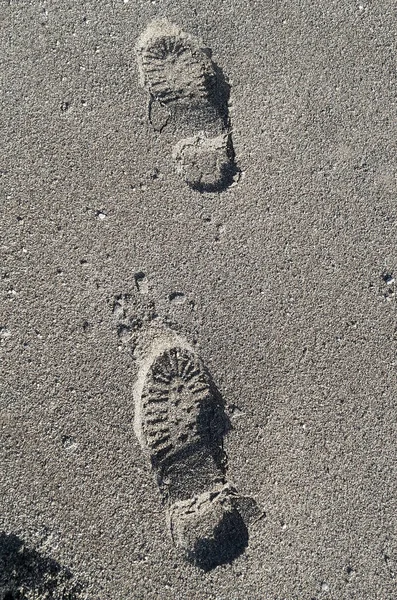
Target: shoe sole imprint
<point>174,402</point>
<point>171,64</point>
<point>180,423</point>
<point>179,74</point>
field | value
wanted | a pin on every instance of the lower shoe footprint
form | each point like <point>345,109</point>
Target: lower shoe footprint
<point>182,79</point>
<point>180,423</point>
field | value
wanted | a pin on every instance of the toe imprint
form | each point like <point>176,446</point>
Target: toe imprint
<point>176,389</point>
<point>171,64</point>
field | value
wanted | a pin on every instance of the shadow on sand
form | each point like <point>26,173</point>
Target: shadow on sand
<point>25,574</point>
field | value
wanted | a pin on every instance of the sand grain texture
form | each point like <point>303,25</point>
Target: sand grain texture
<point>286,281</point>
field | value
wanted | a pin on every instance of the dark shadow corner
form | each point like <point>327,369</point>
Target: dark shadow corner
<point>22,568</point>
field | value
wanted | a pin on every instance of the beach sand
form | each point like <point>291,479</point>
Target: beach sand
<point>284,283</point>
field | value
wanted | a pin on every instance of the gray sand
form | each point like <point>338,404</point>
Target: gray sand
<point>288,283</point>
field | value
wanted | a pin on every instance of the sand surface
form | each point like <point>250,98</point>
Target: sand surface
<point>285,280</point>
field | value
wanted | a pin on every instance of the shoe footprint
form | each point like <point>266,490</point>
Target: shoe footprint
<point>181,77</point>
<point>180,422</point>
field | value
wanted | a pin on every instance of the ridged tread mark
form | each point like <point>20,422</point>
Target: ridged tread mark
<point>159,433</point>
<point>173,68</point>
<point>175,386</point>
<point>195,390</point>
<point>189,370</point>
<point>160,378</point>
<point>154,399</point>
<point>156,410</point>
<point>184,363</point>
<point>159,442</point>
<point>158,392</point>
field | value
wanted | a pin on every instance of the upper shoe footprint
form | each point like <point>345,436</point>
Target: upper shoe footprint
<point>180,75</point>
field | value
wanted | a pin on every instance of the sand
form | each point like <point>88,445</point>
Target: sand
<point>284,281</point>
